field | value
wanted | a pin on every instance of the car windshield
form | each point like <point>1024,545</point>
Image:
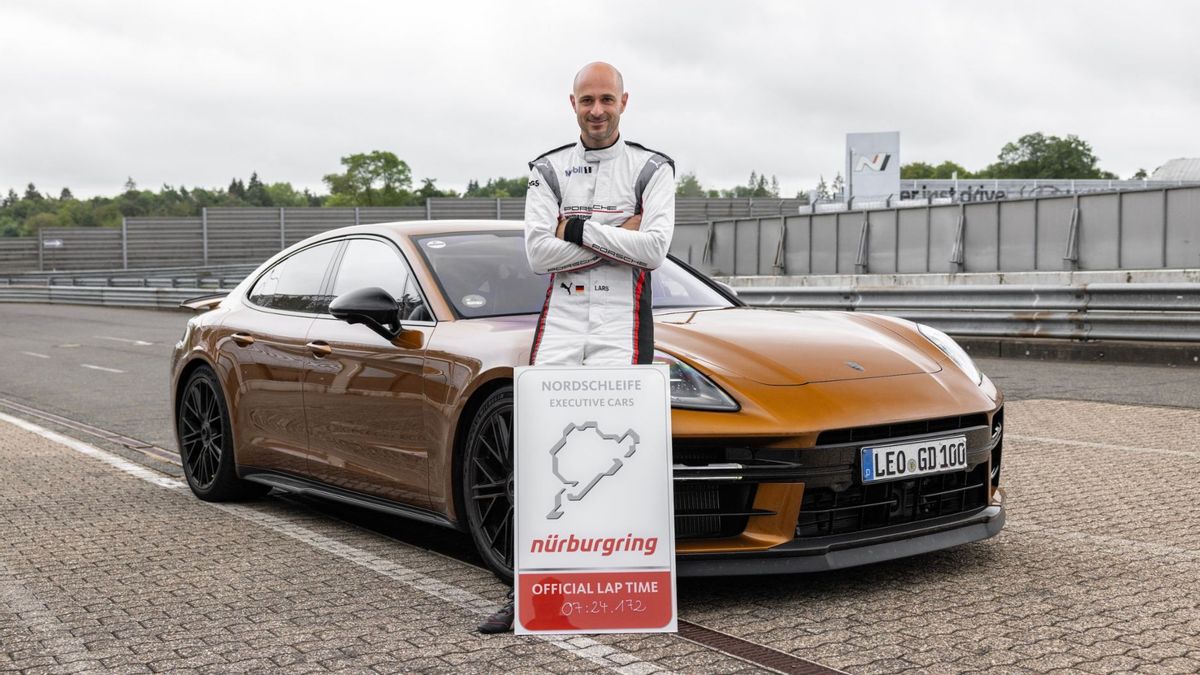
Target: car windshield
<point>487,274</point>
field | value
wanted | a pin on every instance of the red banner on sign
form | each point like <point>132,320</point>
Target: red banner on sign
<point>595,600</point>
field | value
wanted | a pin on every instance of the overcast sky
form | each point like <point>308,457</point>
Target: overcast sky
<point>194,93</point>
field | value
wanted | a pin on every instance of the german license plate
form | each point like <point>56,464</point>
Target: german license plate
<point>906,460</point>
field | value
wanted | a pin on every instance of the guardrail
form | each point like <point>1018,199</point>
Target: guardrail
<point>1149,312</point>
<point>145,298</point>
<point>217,276</point>
<point>1138,312</point>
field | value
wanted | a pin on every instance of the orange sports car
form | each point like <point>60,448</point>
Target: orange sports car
<point>373,365</point>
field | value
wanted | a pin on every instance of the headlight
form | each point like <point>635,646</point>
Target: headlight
<point>691,389</point>
<point>950,348</point>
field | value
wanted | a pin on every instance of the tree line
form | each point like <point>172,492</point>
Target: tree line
<point>377,178</point>
<point>1032,156</point>
<point>380,178</point>
<point>368,179</point>
<point>758,186</point>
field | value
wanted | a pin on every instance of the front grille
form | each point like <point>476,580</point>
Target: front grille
<point>716,480</point>
<point>825,512</point>
<point>884,431</point>
<point>709,510</point>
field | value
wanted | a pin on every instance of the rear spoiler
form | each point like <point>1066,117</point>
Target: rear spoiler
<point>204,303</point>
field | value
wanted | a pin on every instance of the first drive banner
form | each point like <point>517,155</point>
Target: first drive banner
<point>595,535</point>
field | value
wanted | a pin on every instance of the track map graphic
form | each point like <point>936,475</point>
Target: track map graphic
<point>583,457</point>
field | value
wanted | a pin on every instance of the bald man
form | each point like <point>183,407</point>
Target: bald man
<point>599,215</point>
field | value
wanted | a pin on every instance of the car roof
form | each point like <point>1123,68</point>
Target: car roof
<point>419,228</point>
<point>407,229</point>
<point>410,228</point>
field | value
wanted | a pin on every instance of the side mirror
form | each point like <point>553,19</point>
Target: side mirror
<point>373,307</point>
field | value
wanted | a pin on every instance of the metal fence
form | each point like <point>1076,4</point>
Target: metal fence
<point>244,235</point>
<point>1139,229</point>
<point>213,276</point>
<point>1137,312</point>
<point>1142,312</point>
<point>77,247</point>
<point>18,254</point>
<point>144,298</point>
<point>1142,229</point>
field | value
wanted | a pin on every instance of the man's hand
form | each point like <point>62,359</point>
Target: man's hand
<point>562,223</point>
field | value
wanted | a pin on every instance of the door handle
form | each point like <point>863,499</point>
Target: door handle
<point>243,339</point>
<point>319,348</point>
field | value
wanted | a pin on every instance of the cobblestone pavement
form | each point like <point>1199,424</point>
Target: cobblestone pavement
<point>1097,571</point>
<point>90,584</point>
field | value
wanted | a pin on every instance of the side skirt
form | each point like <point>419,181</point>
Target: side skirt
<point>303,486</point>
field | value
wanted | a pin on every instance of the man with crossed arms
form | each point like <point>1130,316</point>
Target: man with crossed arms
<point>599,215</point>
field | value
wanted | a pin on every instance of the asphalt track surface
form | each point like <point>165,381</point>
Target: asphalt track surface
<point>1098,569</point>
<point>62,359</point>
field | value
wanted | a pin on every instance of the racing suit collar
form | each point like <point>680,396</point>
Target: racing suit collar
<point>601,154</point>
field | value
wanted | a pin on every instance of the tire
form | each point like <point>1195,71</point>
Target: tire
<point>206,442</point>
<point>486,474</point>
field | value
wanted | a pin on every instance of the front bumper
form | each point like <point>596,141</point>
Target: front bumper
<point>852,550</point>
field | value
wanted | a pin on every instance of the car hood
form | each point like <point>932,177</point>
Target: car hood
<point>777,347</point>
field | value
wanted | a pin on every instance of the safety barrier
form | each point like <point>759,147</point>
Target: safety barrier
<point>146,298</point>
<point>1152,228</point>
<point>1131,229</point>
<point>215,276</point>
<point>1139,312</point>
<point>1149,312</point>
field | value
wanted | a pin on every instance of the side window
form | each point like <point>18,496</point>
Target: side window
<point>373,263</point>
<point>295,283</point>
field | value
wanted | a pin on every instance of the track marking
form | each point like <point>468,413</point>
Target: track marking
<point>140,343</point>
<point>107,370</point>
<point>583,647</point>
<point>92,451</point>
<point>149,449</point>
<point>40,356</point>
<point>1105,446</point>
<point>757,655</point>
<point>761,656</point>
<point>67,346</point>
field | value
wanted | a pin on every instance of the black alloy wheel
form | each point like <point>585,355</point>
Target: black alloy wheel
<point>487,481</point>
<point>206,442</point>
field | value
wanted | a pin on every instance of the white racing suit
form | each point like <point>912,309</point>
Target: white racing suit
<point>598,305</point>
